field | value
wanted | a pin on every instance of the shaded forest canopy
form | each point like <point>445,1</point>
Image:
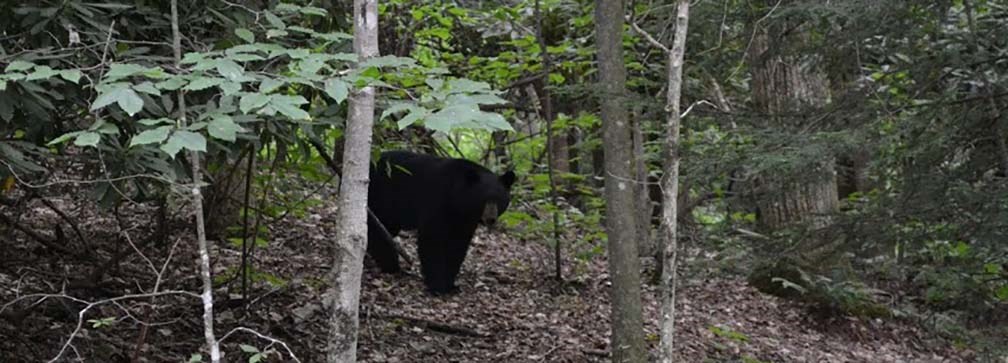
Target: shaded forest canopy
<point>841,162</point>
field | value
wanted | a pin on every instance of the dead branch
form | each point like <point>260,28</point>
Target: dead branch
<point>439,326</point>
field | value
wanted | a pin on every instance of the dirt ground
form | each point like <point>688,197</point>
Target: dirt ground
<point>509,308</point>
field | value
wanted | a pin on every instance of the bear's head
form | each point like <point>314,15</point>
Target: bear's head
<point>486,194</point>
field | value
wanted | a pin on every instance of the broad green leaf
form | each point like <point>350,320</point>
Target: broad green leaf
<point>202,83</point>
<point>192,57</point>
<point>17,66</point>
<point>152,136</point>
<point>152,122</point>
<point>310,66</point>
<point>288,106</point>
<point>63,138</point>
<point>245,35</point>
<point>72,75</point>
<point>275,33</point>
<point>230,88</point>
<point>416,114</point>
<point>130,102</point>
<point>269,85</point>
<point>223,127</point>
<point>245,57</point>
<point>298,53</point>
<point>332,37</point>
<point>274,20</point>
<point>172,84</point>
<point>229,69</point>
<point>148,88</point>
<point>388,61</point>
<point>248,348</point>
<point>3,84</point>
<point>183,139</point>
<point>122,95</point>
<point>122,70</point>
<point>396,108</point>
<point>311,10</point>
<point>41,72</point>
<point>463,85</point>
<point>87,139</point>
<point>337,89</point>
<point>252,101</point>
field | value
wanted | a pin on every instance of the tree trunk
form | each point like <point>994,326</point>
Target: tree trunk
<point>627,342</point>
<point>642,197</point>
<point>213,346</point>
<point>351,236</point>
<point>784,84</point>
<point>670,183</point>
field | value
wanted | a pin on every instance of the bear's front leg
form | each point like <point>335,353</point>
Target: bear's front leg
<point>434,262</point>
<point>382,250</point>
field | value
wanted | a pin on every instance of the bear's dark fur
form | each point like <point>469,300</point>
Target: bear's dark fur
<point>443,199</point>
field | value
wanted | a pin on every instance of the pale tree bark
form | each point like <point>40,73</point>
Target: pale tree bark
<point>351,235</point>
<point>670,175</point>
<point>627,341</point>
<point>197,202</point>
<point>670,183</point>
<point>785,84</point>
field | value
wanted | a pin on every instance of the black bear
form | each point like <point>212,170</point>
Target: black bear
<point>443,199</point>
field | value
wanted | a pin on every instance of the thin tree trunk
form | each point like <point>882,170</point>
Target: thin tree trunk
<point>197,178</point>
<point>351,236</point>
<point>670,184</point>
<point>627,342</point>
<point>645,246</point>
<point>551,143</point>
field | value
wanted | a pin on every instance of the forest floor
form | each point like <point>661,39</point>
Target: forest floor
<point>509,308</point>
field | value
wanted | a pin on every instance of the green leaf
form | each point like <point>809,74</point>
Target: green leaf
<point>274,20</point>
<point>223,127</point>
<point>122,70</point>
<point>252,101</point>
<point>288,106</point>
<point>248,348</point>
<point>463,85</point>
<point>416,114</point>
<point>122,95</point>
<point>337,89</point>
<point>230,69</point>
<point>41,72</point>
<point>152,122</point>
<point>148,88</point>
<point>193,57</point>
<point>311,10</point>
<point>130,102</point>
<point>63,138</point>
<point>269,85</point>
<point>87,139</point>
<point>245,35</point>
<point>172,84</point>
<point>202,83</point>
<point>230,88</point>
<point>3,84</point>
<point>152,136</point>
<point>184,139</point>
<point>275,33</point>
<point>17,66</point>
<point>72,75</point>
<point>245,57</point>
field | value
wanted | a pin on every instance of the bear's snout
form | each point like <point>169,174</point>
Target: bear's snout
<point>489,214</point>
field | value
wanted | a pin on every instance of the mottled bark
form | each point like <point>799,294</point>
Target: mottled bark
<point>670,184</point>
<point>627,341</point>
<point>351,236</point>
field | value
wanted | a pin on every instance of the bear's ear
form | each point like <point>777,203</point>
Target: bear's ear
<point>508,178</point>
